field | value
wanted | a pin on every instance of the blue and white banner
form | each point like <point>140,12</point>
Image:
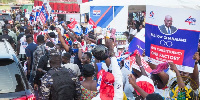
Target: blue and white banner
<point>44,12</point>
<point>37,14</point>
<point>110,16</point>
<point>138,43</point>
<point>43,16</point>
<point>172,34</point>
<point>31,17</point>
<point>77,29</point>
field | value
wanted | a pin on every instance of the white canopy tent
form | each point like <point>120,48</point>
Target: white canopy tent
<point>191,4</point>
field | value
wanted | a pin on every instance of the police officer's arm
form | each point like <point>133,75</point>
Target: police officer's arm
<point>45,89</point>
<point>195,75</point>
<point>66,47</point>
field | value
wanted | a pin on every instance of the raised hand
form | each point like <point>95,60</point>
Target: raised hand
<point>58,30</point>
<point>196,56</point>
<point>132,79</point>
<point>138,60</point>
<point>172,66</point>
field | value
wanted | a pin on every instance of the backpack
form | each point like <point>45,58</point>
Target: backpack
<point>65,85</point>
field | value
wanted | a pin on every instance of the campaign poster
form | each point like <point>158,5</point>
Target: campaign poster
<point>110,17</point>
<point>172,34</point>
<point>137,43</point>
<point>43,16</point>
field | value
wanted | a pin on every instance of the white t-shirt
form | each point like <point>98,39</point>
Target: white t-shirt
<point>133,31</point>
<point>73,67</point>
<point>128,89</point>
<point>23,45</point>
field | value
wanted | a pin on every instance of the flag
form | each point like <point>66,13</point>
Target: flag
<point>134,65</point>
<point>31,17</point>
<point>75,27</point>
<point>91,25</point>
<point>43,16</point>
<point>37,12</point>
<point>66,36</point>
<point>72,19</point>
<point>127,64</point>
<point>72,24</point>
<point>138,43</point>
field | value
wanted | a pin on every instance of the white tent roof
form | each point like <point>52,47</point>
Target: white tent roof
<point>85,7</point>
<point>191,4</point>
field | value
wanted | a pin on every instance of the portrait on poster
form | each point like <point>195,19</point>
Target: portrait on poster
<point>167,27</point>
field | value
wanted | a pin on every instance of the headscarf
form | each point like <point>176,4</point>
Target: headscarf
<point>146,84</point>
<point>106,85</point>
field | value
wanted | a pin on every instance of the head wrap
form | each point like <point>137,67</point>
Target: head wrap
<point>146,84</point>
<point>106,85</point>
<point>160,68</point>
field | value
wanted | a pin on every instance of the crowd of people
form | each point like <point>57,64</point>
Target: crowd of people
<point>61,65</point>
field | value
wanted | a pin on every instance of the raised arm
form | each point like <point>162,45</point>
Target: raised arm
<point>180,82</point>
<point>195,75</point>
<point>92,40</point>
<point>69,30</point>
<point>138,61</point>
<point>163,76</point>
<point>132,81</point>
<point>66,47</point>
<point>79,51</point>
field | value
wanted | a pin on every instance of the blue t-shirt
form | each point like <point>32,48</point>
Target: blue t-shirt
<point>30,49</point>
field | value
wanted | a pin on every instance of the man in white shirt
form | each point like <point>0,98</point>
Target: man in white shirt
<point>133,30</point>
<point>128,89</point>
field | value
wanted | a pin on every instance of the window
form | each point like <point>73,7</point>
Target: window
<point>11,80</point>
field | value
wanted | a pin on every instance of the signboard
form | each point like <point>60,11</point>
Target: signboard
<point>138,43</point>
<point>170,36</point>
<point>110,17</point>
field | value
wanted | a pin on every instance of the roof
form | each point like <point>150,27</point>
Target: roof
<point>191,4</point>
